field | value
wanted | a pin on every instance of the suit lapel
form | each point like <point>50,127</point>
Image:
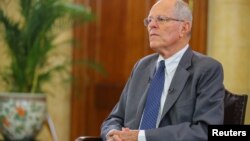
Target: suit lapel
<point>178,82</point>
<point>140,108</point>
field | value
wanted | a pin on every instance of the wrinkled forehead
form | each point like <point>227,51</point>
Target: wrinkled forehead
<point>162,7</point>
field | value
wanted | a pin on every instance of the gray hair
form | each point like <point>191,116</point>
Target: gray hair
<point>182,11</point>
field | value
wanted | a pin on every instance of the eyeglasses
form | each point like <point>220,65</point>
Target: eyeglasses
<point>160,20</point>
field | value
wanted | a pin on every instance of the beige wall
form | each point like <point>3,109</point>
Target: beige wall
<point>229,42</point>
<point>59,95</point>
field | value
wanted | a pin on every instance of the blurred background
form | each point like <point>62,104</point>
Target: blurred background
<point>117,38</point>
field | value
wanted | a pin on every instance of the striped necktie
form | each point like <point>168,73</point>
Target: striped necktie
<point>152,105</point>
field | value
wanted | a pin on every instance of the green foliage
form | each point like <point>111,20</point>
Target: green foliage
<point>31,39</point>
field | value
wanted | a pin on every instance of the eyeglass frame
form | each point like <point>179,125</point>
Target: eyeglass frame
<point>160,19</point>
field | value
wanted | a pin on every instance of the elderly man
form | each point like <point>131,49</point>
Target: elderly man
<point>173,94</point>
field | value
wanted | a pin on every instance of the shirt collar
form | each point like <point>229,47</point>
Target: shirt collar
<point>172,62</point>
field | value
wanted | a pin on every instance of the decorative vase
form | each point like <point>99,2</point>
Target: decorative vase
<point>22,115</point>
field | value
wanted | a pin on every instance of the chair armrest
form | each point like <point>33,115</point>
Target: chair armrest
<point>89,138</point>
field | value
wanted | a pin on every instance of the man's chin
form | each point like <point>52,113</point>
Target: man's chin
<point>154,46</point>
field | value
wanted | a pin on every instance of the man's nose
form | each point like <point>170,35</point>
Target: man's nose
<point>152,24</point>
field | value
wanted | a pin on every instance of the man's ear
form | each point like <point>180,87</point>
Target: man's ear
<point>185,28</point>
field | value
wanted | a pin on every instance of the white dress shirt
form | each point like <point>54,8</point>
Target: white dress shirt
<point>170,67</point>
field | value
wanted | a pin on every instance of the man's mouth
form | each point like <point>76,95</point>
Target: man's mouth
<point>153,34</point>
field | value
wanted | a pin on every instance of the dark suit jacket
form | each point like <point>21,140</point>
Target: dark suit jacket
<point>194,101</point>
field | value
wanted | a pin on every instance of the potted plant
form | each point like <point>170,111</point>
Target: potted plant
<point>30,40</point>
